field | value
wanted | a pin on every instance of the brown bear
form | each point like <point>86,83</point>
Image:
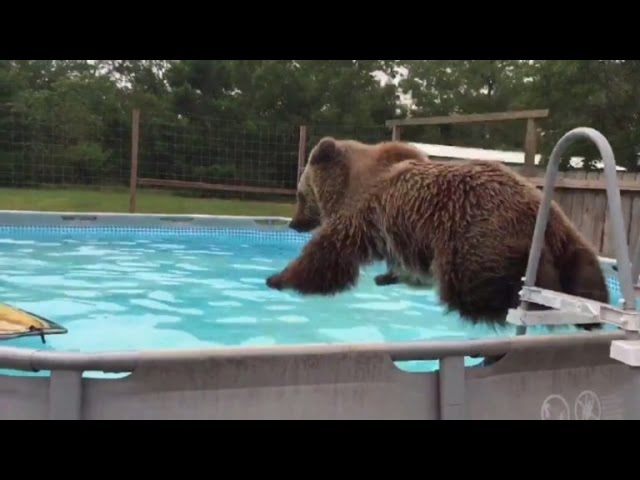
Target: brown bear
<point>467,226</point>
<point>362,164</point>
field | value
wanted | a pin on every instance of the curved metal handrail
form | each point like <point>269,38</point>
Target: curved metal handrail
<point>615,212</point>
<point>635,264</point>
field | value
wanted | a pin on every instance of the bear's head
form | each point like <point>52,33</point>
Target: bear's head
<point>338,173</point>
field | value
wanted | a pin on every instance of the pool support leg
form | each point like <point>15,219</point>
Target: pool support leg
<point>451,379</point>
<point>65,395</point>
<point>632,396</point>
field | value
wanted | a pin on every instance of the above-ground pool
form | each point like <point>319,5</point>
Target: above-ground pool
<point>161,299</point>
<point>169,285</point>
<point>152,303</point>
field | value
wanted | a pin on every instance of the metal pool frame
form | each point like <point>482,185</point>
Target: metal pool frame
<point>561,376</point>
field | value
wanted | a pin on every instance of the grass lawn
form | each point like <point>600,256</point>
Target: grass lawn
<point>148,201</point>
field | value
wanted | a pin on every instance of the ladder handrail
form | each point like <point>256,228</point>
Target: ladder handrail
<point>635,264</point>
<point>615,212</point>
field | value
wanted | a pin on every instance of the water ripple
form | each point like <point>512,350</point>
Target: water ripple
<point>123,292</point>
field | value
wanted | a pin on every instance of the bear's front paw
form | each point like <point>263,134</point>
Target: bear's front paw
<point>276,281</point>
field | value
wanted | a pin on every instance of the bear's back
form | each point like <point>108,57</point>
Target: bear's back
<point>368,164</point>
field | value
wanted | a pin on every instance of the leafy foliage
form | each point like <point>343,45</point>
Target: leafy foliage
<point>69,121</point>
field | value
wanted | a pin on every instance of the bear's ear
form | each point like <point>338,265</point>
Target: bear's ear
<point>325,151</point>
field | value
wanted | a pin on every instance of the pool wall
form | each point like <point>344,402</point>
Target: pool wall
<point>562,376</point>
<point>57,220</point>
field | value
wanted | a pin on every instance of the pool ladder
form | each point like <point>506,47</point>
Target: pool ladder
<point>569,309</point>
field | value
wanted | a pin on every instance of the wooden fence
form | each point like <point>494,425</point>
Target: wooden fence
<point>581,194</point>
<point>583,197</point>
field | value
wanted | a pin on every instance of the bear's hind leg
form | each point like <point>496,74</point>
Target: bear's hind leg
<point>547,277</point>
<point>581,275</point>
<point>388,278</point>
<point>483,283</point>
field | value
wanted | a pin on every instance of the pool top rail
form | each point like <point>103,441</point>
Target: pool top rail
<point>117,362</point>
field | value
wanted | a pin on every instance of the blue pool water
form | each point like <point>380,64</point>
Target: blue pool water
<point>152,289</point>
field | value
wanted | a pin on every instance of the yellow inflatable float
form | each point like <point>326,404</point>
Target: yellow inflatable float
<point>15,322</point>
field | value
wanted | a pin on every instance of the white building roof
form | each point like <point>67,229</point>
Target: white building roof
<point>504,156</point>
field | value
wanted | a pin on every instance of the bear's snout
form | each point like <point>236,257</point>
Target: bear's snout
<point>302,226</point>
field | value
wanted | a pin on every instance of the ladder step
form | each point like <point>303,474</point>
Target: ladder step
<point>527,318</point>
<point>561,301</point>
<point>570,310</point>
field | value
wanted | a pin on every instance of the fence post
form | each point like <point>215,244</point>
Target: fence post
<point>395,133</point>
<point>302,150</point>
<point>133,180</point>
<point>530,147</point>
